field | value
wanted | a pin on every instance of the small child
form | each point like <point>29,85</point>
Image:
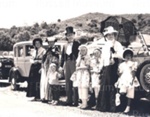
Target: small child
<point>127,80</point>
<point>83,75</point>
<point>96,65</point>
<point>53,80</point>
<point>75,89</point>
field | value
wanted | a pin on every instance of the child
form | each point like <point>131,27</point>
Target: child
<point>75,89</point>
<point>53,80</point>
<point>127,80</point>
<point>95,68</point>
<point>83,75</point>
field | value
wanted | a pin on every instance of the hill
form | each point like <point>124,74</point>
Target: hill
<point>89,23</point>
<point>141,21</point>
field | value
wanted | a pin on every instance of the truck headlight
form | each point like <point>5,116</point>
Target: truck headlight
<point>0,64</point>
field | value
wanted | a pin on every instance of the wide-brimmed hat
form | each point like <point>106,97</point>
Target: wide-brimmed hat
<point>109,30</point>
<point>52,64</point>
<point>98,49</point>
<point>82,46</point>
<point>69,30</point>
<point>37,39</point>
<point>127,51</point>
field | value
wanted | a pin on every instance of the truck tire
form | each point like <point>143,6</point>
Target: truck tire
<point>145,77</point>
<point>13,81</point>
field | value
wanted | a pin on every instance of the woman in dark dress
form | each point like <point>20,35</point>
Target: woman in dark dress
<point>111,53</point>
<point>33,89</point>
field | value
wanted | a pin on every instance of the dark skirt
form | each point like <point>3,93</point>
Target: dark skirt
<point>106,97</point>
<point>33,89</point>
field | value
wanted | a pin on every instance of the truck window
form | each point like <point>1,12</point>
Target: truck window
<point>29,49</point>
<point>15,52</point>
<point>20,51</point>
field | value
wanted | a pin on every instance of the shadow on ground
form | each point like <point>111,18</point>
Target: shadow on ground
<point>4,84</point>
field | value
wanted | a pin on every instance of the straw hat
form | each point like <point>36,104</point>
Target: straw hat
<point>109,30</point>
<point>82,47</point>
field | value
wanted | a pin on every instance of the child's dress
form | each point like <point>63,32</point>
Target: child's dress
<point>95,66</point>
<point>82,72</point>
<point>127,81</point>
<point>83,77</point>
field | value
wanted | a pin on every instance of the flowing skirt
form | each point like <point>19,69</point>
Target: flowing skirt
<point>106,97</point>
<point>43,85</point>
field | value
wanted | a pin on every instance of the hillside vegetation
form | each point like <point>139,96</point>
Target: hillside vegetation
<point>89,23</point>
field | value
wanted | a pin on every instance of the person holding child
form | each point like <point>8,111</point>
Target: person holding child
<point>83,75</point>
<point>44,81</point>
<point>45,65</point>
<point>127,80</point>
<point>54,58</point>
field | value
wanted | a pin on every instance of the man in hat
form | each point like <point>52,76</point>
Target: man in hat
<point>69,56</point>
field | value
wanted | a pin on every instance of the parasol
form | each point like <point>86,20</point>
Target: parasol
<point>125,28</point>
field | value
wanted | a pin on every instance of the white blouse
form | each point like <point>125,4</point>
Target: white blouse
<point>107,54</point>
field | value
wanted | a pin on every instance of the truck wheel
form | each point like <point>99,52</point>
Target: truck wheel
<point>145,77</point>
<point>13,81</point>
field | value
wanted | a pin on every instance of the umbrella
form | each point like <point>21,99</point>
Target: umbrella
<point>125,27</point>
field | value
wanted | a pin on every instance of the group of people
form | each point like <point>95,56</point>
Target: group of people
<point>107,73</point>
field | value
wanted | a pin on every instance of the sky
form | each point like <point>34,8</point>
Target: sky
<point>28,12</point>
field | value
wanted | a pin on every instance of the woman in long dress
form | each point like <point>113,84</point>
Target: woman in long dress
<point>33,89</point>
<point>45,66</point>
<point>44,80</point>
<point>111,52</point>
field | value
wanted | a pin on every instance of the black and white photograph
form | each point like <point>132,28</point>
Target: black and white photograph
<point>75,58</point>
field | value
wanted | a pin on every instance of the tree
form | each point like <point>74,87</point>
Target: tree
<point>23,36</point>
<point>44,25</point>
<point>134,20</point>
<point>59,20</point>
<point>79,24</point>
<point>6,43</point>
<point>13,31</point>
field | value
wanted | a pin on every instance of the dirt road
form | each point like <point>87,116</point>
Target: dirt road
<point>16,104</point>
